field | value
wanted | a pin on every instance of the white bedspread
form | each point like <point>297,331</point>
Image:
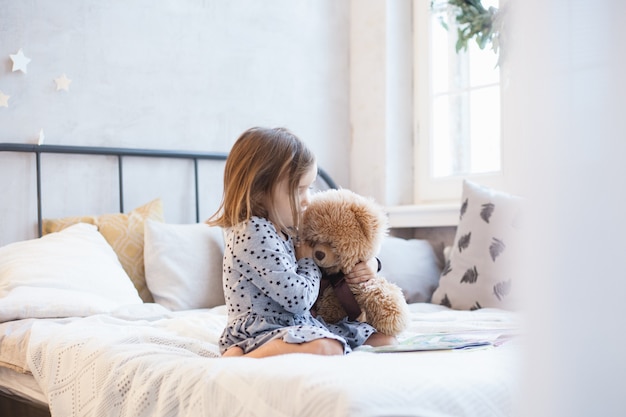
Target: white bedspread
<point>146,361</point>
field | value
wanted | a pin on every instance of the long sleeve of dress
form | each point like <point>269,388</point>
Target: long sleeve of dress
<point>262,274</point>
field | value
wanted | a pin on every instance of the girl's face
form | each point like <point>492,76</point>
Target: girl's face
<point>281,198</point>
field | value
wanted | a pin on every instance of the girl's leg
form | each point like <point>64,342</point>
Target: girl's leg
<point>233,351</point>
<point>380,339</point>
<point>279,347</point>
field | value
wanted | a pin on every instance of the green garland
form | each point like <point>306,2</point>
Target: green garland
<point>474,21</point>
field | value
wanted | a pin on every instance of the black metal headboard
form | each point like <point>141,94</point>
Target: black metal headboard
<point>120,153</point>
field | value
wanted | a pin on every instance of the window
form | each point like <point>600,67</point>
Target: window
<point>458,102</point>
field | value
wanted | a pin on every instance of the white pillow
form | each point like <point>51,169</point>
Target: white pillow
<point>74,272</point>
<point>412,265</point>
<point>183,264</point>
<point>479,272</point>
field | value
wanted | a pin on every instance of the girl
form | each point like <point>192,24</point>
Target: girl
<point>270,285</point>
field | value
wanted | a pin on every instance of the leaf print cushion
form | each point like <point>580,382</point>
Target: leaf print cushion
<point>479,270</point>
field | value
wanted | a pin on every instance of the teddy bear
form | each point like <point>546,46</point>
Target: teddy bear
<point>344,228</point>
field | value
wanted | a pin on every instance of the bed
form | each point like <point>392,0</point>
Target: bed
<point>120,313</point>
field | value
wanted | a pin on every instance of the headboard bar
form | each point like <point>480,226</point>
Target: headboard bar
<point>99,150</point>
<point>120,175</point>
<point>195,156</point>
<point>39,209</point>
<point>120,153</point>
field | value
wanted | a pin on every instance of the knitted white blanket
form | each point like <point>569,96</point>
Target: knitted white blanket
<point>167,366</point>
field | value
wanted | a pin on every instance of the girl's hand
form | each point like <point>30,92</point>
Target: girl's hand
<point>303,250</point>
<point>362,272</point>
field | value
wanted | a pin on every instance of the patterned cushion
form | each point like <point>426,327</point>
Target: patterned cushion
<point>479,270</point>
<point>125,234</point>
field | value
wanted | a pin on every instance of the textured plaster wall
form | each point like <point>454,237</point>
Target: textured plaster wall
<point>188,74</point>
<point>381,100</point>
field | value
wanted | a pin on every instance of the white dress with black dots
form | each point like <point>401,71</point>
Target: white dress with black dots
<point>269,294</point>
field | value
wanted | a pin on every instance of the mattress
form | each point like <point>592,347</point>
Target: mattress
<point>21,385</point>
<point>145,360</point>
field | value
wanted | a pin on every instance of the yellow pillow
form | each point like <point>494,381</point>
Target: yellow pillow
<point>124,232</point>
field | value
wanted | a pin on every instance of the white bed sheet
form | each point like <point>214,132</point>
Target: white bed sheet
<point>145,360</point>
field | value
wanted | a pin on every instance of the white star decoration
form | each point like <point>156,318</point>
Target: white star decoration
<point>20,61</point>
<point>4,100</point>
<point>63,83</point>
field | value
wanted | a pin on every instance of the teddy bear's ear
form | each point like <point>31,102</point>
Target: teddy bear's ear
<point>365,229</point>
<point>372,221</point>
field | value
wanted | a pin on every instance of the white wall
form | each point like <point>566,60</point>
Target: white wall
<point>190,74</point>
<point>381,107</point>
<point>569,87</point>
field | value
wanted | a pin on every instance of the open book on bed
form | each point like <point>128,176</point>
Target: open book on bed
<point>470,339</point>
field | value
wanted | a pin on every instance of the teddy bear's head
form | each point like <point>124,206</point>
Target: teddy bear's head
<point>343,228</point>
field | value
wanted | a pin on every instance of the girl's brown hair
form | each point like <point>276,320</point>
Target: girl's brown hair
<point>257,162</point>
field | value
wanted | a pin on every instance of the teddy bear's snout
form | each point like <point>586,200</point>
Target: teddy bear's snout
<point>325,257</point>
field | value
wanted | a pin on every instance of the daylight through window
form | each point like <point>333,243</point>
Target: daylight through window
<point>464,100</point>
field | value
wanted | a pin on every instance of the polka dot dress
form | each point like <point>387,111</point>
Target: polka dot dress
<point>269,294</point>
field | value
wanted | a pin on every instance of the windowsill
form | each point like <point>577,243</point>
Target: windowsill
<point>424,215</point>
